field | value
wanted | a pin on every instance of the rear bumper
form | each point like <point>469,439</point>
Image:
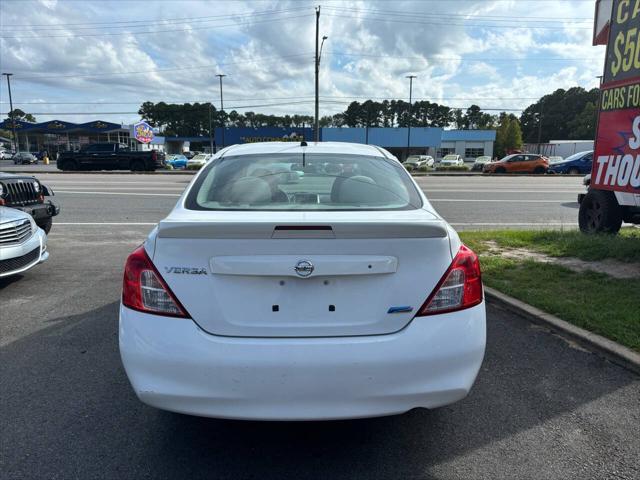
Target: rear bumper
<point>174,365</point>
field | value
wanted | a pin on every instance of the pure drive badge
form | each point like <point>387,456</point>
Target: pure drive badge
<point>186,270</point>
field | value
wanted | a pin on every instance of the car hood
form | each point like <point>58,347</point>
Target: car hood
<point>11,214</point>
<point>13,176</point>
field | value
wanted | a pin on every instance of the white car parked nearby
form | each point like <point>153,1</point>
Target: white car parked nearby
<point>324,296</point>
<point>451,160</point>
<point>22,243</point>
<point>199,160</point>
<point>416,161</point>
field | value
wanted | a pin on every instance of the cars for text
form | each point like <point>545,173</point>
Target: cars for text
<point>519,163</point>
<point>310,297</point>
<point>23,244</point>
<point>417,161</point>
<point>579,163</point>
<point>27,193</point>
<point>480,162</point>
<point>451,160</point>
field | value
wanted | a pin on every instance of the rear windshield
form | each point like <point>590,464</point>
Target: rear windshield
<point>313,182</point>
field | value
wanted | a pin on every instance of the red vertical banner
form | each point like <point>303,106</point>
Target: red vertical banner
<point>616,162</point>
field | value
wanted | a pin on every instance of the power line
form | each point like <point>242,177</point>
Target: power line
<point>283,104</point>
<point>469,16</point>
<point>290,17</point>
<point>505,59</point>
<point>448,24</point>
<point>146,23</point>
<point>325,97</point>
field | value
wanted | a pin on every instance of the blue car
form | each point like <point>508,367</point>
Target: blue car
<point>177,161</point>
<point>575,164</point>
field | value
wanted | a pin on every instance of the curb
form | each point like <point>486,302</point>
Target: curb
<point>609,349</point>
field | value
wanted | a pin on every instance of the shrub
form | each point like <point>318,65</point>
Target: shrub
<point>194,167</point>
<point>452,168</point>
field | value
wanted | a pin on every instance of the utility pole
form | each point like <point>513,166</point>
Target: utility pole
<point>220,75</point>
<point>210,129</point>
<point>410,77</point>
<point>316,127</point>
<point>540,127</point>
<point>13,121</point>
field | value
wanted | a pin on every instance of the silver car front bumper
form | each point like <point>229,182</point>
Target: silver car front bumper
<point>23,256</point>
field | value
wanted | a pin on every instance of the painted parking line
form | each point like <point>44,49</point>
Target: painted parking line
<point>120,193</point>
<point>105,223</point>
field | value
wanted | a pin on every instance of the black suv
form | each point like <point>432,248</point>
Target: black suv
<point>26,193</point>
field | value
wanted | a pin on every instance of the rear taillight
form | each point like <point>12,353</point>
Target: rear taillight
<point>459,288</point>
<point>154,155</point>
<point>144,289</point>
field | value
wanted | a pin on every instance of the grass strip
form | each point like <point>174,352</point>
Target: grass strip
<point>593,301</point>
<point>562,243</point>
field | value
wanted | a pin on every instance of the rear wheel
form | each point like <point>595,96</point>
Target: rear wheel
<point>137,166</point>
<point>600,213</point>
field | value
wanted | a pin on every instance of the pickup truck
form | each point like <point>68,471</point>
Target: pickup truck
<point>110,156</point>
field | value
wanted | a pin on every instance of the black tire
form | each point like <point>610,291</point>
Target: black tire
<point>599,213</point>
<point>501,170</point>
<point>137,166</point>
<point>69,165</point>
<point>539,170</point>
<point>573,171</point>
<point>46,225</point>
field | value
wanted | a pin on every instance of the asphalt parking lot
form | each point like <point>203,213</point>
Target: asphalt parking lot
<point>542,407</point>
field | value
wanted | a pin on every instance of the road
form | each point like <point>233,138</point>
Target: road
<point>467,202</point>
<point>541,408</point>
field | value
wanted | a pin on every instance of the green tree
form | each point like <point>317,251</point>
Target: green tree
<point>513,137</point>
<point>552,115</point>
<point>583,127</point>
<point>18,114</point>
<point>508,134</point>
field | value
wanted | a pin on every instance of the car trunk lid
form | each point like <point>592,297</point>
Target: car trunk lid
<point>302,274</point>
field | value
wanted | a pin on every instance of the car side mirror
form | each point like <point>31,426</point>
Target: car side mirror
<point>46,191</point>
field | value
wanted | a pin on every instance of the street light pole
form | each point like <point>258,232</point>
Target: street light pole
<point>316,123</point>
<point>220,75</point>
<point>11,117</point>
<point>410,77</point>
<point>210,129</point>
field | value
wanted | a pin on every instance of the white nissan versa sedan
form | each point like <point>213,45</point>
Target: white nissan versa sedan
<point>335,292</point>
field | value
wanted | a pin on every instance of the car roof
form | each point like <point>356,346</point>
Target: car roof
<point>343,148</point>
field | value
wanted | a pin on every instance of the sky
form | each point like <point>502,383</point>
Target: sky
<point>80,60</point>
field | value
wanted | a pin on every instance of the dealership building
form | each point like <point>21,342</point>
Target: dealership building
<point>57,135</point>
